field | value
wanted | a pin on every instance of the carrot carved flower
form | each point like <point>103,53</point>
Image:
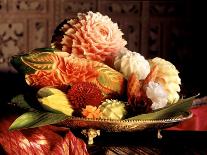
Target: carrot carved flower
<point>91,35</point>
<point>91,112</point>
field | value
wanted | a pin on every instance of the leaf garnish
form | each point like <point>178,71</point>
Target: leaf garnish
<point>173,110</point>
<point>21,102</point>
<point>39,61</point>
<point>109,78</point>
<point>36,119</point>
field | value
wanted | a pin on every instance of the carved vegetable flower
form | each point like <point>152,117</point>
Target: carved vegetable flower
<point>167,76</point>
<point>92,36</point>
<point>128,62</point>
<point>91,112</point>
<point>112,109</point>
<point>56,69</point>
<point>84,93</point>
<point>157,95</point>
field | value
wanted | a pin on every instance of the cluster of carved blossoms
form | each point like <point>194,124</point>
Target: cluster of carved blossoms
<point>100,66</point>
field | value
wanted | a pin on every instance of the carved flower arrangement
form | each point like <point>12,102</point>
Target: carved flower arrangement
<point>88,72</point>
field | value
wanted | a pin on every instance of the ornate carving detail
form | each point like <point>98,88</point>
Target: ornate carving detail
<point>131,30</point>
<point>3,5</point>
<point>120,7</point>
<point>166,8</point>
<point>29,5</point>
<point>38,34</point>
<point>11,39</point>
<point>132,36</point>
<point>154,40</point>
<point>78,6</point>
<point>178,43</point>
<point>111,125</point>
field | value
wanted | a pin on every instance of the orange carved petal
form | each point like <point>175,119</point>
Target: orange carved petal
<point>152,75</point>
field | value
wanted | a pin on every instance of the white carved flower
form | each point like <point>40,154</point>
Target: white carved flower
<point>157,94</point>
<point>128,62</point>
<point>167,76</point>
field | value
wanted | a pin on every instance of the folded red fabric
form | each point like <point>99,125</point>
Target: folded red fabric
<point>42,140</point>
<point>196,123</point>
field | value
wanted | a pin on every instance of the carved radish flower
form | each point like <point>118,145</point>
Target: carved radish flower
<point>128,62</point>
<point>157,95</point>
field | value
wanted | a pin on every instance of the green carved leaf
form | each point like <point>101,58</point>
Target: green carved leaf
<point>44,50</point>
<point>39,61</point>
<point>36,119</point>
<point>21,102</point>
<point>109,78</point>
<point>17,63</point>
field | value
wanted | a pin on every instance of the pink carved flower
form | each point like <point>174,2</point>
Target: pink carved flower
<point>92,36</point>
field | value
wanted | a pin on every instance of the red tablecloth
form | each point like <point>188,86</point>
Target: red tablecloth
<point>43,140</point>
<point>197,123</point>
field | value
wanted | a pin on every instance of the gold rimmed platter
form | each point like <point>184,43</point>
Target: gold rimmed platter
<point>92,127</point>
<point>123,125</point>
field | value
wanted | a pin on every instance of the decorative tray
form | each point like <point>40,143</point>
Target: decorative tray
<point>110,125</point>
<point>92,127</point>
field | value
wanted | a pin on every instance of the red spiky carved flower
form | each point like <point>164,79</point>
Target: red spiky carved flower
<point>84,93</point>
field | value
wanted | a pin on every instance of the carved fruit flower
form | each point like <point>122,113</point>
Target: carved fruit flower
<point>128,62</point>
<point>92,36</point>
<point>91,112</point>
<point>84,93</point>
<point>157,95</point>
<point>167,76</point>
<point>58,70</point>
<point>112,109</point>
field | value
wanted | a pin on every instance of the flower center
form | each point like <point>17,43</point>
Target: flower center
<point>103,31</point>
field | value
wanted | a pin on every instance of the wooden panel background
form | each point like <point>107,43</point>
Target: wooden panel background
<point>153,28</point>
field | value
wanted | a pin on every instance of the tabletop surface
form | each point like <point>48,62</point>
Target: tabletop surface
<point>144,143</point>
